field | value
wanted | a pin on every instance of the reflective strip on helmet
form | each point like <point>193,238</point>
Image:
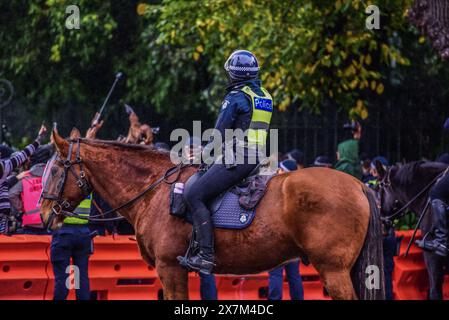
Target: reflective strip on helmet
<point>235,68</point>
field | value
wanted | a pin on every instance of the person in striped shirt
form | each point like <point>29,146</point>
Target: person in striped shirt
<point>6,168</point>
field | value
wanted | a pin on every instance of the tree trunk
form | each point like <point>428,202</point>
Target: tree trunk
<point>432,17</point>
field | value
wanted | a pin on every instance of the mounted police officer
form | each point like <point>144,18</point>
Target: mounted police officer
<point>439,197</point>
<point>248,107</point>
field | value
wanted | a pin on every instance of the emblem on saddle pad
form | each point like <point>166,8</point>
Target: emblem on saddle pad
<point>243,218</point>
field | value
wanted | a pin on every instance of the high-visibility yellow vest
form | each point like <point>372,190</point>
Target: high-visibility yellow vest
<point>83,210</point>
<point>261,117</point>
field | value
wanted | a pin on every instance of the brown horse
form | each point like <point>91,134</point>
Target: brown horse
<point>321,213</point>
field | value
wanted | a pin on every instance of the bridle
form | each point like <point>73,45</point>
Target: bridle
<point>63,206</point>
<point>386,182</point>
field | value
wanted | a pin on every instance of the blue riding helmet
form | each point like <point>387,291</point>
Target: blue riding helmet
<point>242,65</point>
<point>288,165</point>
<point>383,161</point>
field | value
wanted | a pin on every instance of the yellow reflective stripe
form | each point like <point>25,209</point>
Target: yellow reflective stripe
<point>83,209</point>
<point>266,93</point>
<point>73,220</point>
<point>86,203</point>
<point>257,136</point>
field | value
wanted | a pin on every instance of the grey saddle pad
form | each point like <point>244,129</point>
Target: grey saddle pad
<point>227,212</point>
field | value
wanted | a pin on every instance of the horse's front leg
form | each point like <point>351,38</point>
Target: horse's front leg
<point>174,279</point>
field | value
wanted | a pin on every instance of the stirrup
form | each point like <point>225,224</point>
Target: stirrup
<point>183,261</point>
<point>203,265</point>
<point>441,250</point>
<point>192,250</point>
<point>424,243</point>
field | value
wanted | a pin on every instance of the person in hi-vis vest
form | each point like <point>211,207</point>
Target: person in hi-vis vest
<point>72,241</point>
<point>24,195</point>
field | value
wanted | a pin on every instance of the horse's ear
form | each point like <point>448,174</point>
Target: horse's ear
<point>379,168</point>
<point>60,143</point>
<point>75,134</point>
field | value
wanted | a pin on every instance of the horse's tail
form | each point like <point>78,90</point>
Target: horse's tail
<point>368,271</point>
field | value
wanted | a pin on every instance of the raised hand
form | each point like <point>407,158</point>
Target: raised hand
<point>42,130</point>
<point>41,134</point>
<point>358,131</point>
<point>95,126</point>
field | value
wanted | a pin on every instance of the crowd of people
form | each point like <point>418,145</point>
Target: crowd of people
<point>21,186</point>
<point>247,106</point>
<point>21,183</point>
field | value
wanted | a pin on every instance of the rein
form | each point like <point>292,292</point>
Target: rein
<point>82,183</point>
<point>176,169</point>
<point>383,184</point>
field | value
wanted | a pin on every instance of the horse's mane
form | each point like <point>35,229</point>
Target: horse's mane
<point>126,146</point>
<point>406,174</point>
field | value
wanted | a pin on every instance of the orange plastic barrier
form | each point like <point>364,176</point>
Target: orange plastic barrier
<point>23,267</point>
<point>410,279</point>
<point>255,287</point>
<point>117,271</point>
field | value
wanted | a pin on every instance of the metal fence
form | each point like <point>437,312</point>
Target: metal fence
<point>389,131</point>
<point>398,129</point>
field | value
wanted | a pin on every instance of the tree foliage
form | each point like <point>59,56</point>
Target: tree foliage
<point>310,51</point>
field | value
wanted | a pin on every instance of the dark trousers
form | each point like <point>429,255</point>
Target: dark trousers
<point>215,181</point>
<point>71,242</point>
<point>275,282</point>
<point>208,287</point>
<point>389,245</point>
<point>441,190</point>
<point>33,231</point>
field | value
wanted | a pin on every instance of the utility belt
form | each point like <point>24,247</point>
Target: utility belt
<point>242,150</point>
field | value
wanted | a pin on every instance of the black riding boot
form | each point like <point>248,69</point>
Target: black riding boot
<point>203,261</point>
<point>439,218</point>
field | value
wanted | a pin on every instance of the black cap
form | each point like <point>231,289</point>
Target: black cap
<point>322,161</point>
<point>5,151</point>
<point>42,154</point>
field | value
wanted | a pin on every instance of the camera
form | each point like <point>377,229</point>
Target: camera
<point>155,130</point>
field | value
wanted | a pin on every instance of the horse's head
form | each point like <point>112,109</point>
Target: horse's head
<point>65,181</point>
<point>406,184</point>
<point>388,194</point>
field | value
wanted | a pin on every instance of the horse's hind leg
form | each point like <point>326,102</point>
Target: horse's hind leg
<point>339,284</point>
<point>174,281</point>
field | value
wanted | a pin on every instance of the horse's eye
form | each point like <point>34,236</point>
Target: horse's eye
<point>54,171</point>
